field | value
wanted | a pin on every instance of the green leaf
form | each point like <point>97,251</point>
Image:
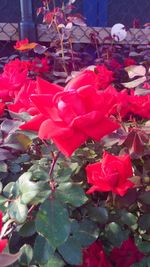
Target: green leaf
<point>28,229</point>
<point>42,250</point>
<point>53,222</point>
<point>11,190</point>
<point>115,234</point>
<point>26,255</point>
<point>2,200</point>
<point>145,198</point>
<point>3,167</point>
<point>128,218</point>
<point>18,211</point>
<point>71,193</point>
<point>41,197</point>
<point>54,261</point>
<point>71,251</point>
<point>7,259</point>
<point>144,246</point>
<point>88,232</point>
<point>39,173</point>
<point>62,173</point>
<point>98,214</point>
<point>28,189</point>
<point>18,141</point>
<point>144,222</point>
<point>14,168</point>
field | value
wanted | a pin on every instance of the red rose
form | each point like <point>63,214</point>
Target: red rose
<point>94,256</point>
<point>111,174</point>
<point>114,64</point>
<point>69,118</point>
<point>12,78</point>
<point>39,65</point>
<point>129,61</point>
<point>100,78</point>
<point>126,255</point>
<point>22,102</point>
<point>2,106</point>
<point>3,242</point>
<point>105,76</point>
<point>140,105</point>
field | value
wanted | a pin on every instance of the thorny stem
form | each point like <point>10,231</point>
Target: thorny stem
<point>55,158</point>
<point>52,181</point>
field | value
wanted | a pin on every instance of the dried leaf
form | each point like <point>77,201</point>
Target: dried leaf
<point>135,83</point>
<point>135,70</point>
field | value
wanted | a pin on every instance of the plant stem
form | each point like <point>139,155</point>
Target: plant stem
<point>55,158</point>
<point>61,39</point>
<point>52,182</point>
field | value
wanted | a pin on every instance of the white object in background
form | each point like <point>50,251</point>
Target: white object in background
<point>118,32</point>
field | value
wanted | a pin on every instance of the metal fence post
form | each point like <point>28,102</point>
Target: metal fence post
<point>27,25</point>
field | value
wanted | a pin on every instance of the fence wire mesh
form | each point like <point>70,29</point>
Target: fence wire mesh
<point>9,30</point>
<point>100,16</point>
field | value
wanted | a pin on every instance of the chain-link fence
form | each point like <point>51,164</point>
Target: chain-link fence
<point>100,16</point>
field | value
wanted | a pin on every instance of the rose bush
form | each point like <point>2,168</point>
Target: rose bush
<point>74,156</point>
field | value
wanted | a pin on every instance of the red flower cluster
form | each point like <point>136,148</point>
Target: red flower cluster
<point>111,174</point>
<point>100,78</point>
<point>3,242</point>
<point>12,78</point>
<point>114,64</point>
<point>38,65</point>
<point>139,105</point>
<point>94,256</point>
<point>133,104</point>
<point>14,81</point>
<point>129,61</point>
<point>126,255</point>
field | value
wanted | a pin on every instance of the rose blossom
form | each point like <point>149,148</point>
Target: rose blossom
<point>100,78</point>
<point>126,255</point>
<point>129,62</point>
<point>94,256</point>
<point>71,117</point>
<point>12,78</point>
<point>111,174</point>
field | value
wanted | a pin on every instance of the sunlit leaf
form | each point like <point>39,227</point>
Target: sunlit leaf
<point>135,70</point>
<point>135,83</point>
